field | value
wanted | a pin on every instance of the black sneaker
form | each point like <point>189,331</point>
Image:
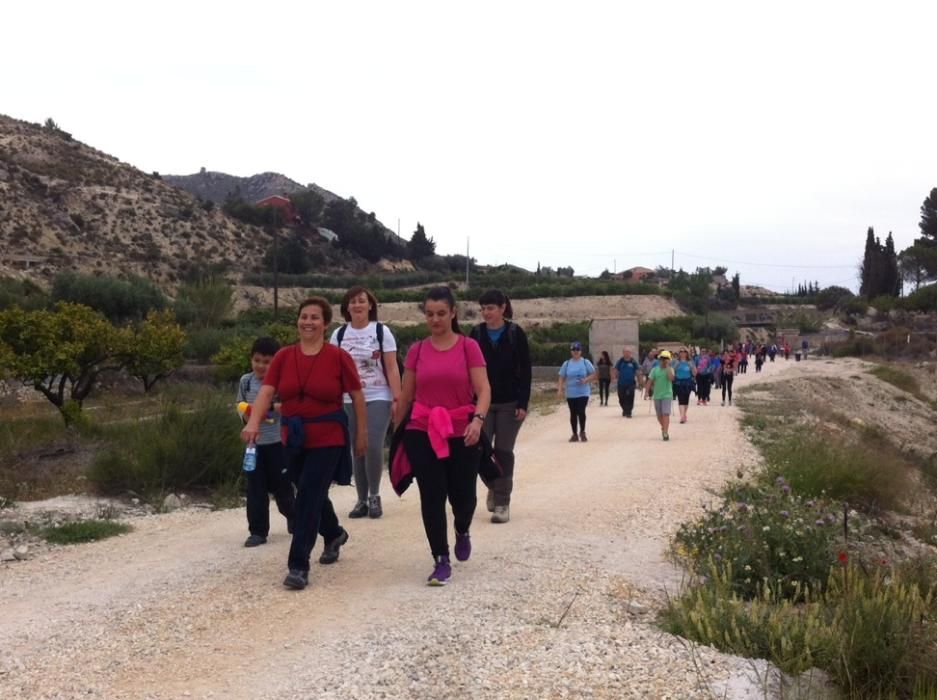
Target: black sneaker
<point>360,510</point>
<point>296,579</point>
<point>374,507</point>
<point>255,540</point>
<point>574,438</point>
<point>582,437</point>
<point>330,553</point>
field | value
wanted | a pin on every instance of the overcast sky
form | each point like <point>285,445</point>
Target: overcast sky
<point>763,136</point>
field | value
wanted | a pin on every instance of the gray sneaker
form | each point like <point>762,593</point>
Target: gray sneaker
<point>501,514</point>
<point>374,507</point>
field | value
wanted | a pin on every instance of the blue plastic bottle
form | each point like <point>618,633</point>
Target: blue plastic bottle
<point>250,458</point>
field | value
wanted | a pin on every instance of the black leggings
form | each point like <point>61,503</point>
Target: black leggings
<point>727,384</point>
<point>454,478</point>
<point>577,413</point>
<point>703,385</point>
<point>604,385</point>
<point>313,470</point>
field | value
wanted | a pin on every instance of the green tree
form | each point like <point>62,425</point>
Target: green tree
<point>206,303</point>
<point>918,264</point>
<point>309,205</point>
<point>736,286</point>
<point>62,352</point>
<point>291,255</point>
<point>120,300</point>
<point>420,245</point>
<point>155,349</point>
<point>928,223</point>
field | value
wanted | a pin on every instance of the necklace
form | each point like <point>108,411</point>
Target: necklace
<point>304,380</point>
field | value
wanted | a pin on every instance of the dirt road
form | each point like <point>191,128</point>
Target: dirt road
<point>557,603</point>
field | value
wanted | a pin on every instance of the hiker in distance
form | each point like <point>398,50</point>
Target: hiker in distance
<point>604,373</point>
<point>626,376</point>
<point>507,359</point>
<point>661,387</point>
<point>684,382</point>
<point>575,381</point>
<point>310,378</point>
<point>372,346</point>
<point>444,401</point>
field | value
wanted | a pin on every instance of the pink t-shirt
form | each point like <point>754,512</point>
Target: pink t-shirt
<point>442,376</point>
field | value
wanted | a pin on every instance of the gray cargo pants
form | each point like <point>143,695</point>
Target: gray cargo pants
<point>502,427</point>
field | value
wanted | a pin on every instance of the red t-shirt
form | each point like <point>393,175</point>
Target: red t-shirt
<point>442,376</point>
<point>312,385</point>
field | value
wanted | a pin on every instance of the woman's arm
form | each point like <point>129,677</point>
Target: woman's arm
<point>393,376</point>
<point>361,419</point>
<point>258,410</point>
<point>479,377</point>
<point>407,391</point>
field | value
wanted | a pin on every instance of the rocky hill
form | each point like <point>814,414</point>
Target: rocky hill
<point>67,206</point>
<point>217,187</point>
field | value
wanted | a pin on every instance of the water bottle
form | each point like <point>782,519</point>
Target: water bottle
<point>250,458</point>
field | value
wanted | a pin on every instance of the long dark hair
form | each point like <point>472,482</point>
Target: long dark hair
<point>498,298</point>
<point>445,294</point>
<point>605,359</point>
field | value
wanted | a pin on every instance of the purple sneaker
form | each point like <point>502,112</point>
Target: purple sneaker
<point>442,571</point>
<point>463,546</point>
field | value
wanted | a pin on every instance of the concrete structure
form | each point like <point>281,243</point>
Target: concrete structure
<point>612,334</point>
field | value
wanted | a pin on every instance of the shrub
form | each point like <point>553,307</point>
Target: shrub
<point>924,299</point>
<point>234,358</point>
<point>896,377</point>
<point>179,449</point>
<point>833,297</point>
<point>762,536</point>
<point>865,474</point>
<point>120,300</point>
<point>868,629</point>
<point>207,303</point>
<point>202,344</point>
<point>84,531</point>
<point>22,293</point>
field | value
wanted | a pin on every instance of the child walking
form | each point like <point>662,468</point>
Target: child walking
<point>661,379</point>
<point>270,474</point>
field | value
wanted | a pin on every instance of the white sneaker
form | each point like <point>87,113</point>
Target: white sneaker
<point>501,515</point>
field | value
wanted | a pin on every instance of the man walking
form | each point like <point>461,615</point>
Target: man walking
<point>626,374</point>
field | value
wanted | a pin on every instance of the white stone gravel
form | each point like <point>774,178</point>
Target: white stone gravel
<point>559,603</point>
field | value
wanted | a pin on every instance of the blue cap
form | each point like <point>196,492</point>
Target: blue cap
<point>575,346</point>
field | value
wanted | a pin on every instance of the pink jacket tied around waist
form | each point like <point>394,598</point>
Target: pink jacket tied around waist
<point>440,424</point>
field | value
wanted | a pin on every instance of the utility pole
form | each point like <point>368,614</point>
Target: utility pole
<point>276,264</point>
<point>468,260</point>
<point>672,269</point>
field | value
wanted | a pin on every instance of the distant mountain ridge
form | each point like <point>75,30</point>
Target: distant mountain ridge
<point>216,187</point>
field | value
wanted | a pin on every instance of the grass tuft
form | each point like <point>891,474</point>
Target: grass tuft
<point>85,531</point>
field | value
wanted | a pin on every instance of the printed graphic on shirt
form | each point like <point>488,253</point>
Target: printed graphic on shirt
<point>362,345</point>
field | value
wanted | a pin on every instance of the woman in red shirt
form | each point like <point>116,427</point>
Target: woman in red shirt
<point>446,383</point>
<point>310,378</point>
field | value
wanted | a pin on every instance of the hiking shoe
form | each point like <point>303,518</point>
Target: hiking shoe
<point>296,579</point>
<point>683,420</point>
<point>665,436</point>
<point>501,515</point>
<point>360,510</point>
<point>463,546</point>
<point>330,553</point>
<point>255,540</point>
<point>723,403</point>
<point>574,438</point>
<point>374,507</point>
<point>490,501</point>
<point>582,437</point>
<point>624,413</point>
<point>442,572</point>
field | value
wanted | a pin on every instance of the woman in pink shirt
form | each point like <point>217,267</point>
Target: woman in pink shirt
<point>446,384</point>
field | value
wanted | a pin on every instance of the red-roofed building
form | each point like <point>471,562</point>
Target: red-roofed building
<point>287,210</point>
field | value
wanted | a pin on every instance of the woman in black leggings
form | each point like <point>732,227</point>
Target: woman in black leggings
<point>576,377</point>
<point>604,369</point>
<point>728,374</point>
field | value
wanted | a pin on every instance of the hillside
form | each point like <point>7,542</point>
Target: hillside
<point>216,187</point>
<point>66,206</point>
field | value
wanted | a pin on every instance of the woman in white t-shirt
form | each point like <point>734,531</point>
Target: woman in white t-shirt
<point>374,350</point>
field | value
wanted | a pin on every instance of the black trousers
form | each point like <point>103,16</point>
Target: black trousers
<point>604,385</point>
<point>453,478</point>
<point>577,413</point>
<point>270,476</point>
<point>703,386</point>
<point>313,471</point>
<point>626,398</point>
<point>727,385</point>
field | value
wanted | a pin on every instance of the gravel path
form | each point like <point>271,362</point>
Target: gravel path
<point>559,603</point>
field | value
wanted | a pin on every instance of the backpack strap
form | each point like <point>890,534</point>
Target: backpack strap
<point>341,333</point>
<point>244,387</point>
<point>380,346</point>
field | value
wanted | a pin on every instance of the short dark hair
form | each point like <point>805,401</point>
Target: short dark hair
<point>351,294</point>
<point>498,298</point>
<point>322,303</point>
<point>265,346</point>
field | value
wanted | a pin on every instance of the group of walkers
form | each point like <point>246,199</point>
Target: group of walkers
<point>319,411</point>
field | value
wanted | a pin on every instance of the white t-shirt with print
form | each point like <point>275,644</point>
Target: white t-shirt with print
<point>362,345</point>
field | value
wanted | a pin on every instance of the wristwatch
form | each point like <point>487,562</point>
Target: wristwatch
<point>479,415</point>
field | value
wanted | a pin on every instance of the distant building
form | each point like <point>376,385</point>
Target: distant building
<point>636,274</point>
<point>327,234</point>
<point>288,211</point>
